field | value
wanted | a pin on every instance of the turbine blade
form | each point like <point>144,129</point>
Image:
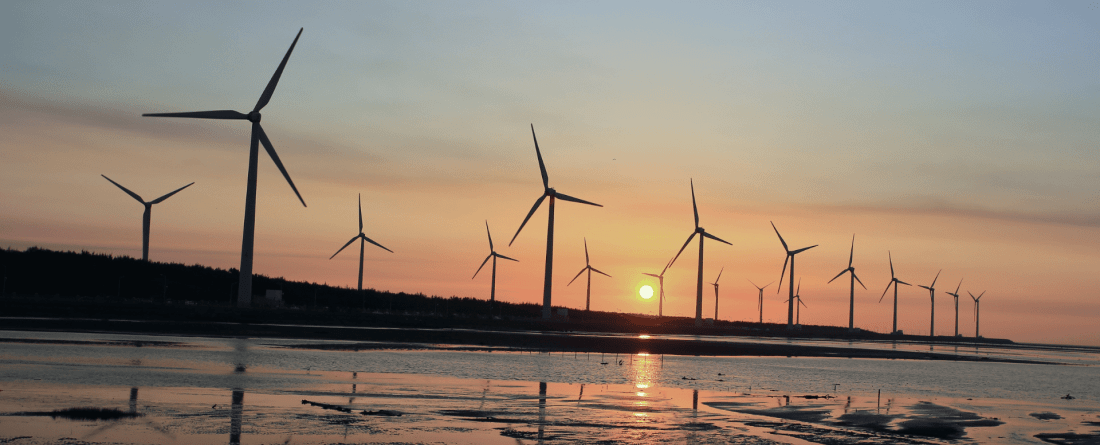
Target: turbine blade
<point>715,238</point>
<point>491,249</point>
<point>681,249</point>
<point>891,256</point>
<point>780,239</point>
<point>959,286</point>
<point>891,283</point>
<point>971,294</point>
<point>507,258</point>
<point>578,275</point>
<point>361,213</point>
<point>565,197</point>
<point>902,282</point>
<point>652,275</point>
<point>379,245</point>
<point>926,287</point>
<point>128,192</point>
<point>532,212</point>
<point>216,114</point>
<point>803,304</point>
<point>838,275</point>
<point>781,273</point>
<point>857,279</point>
<point>753,284</point>
<point>719,276</point>
<point>345,246</point>
<point>275,157</point>
<point>980,295</point>
<point>586,262</point>
<point>798,289</point>
<point>934,279</point>
<point>766,285</point>
<point>601,273</point>
<point>162,198</point>
<point>694,207</point>
<point>542,166</point>
<point>852,252</point>
<point>803,249</point>
<point>482,265</point>
<point>266,96</point>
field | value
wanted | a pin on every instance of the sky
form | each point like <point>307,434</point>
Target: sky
<point>958,136</point>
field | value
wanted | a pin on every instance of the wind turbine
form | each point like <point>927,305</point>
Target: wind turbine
<point>702,234</point>
<point>660,279</point>
<point>494,255</point>
<point>715,284</point>
<point>852,287</point>
<point>977,302</point>
<point>760,300</point>
<point>554,195</point>
<point>798,297</point>
<point>956,295</point>
<point>590,269</point>
<point>244,291</point>
<point>932,293</point>
<point>145,220</point>
<point>894,281</point>
<point>790,256</point>
<point>362,243</point>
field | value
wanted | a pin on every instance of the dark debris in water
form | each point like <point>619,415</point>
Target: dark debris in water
<point>84,413</point>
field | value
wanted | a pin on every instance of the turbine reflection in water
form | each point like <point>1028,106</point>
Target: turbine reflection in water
<point>235,416</point>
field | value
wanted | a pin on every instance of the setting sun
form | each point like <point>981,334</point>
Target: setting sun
<point>646,291</point>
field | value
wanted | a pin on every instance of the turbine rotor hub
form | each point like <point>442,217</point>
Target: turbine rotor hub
<point>254,117</point>
<point>700,230</point>
<point>551,192</point>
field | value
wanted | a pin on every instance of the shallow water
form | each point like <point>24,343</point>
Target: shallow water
<point>206,390</point>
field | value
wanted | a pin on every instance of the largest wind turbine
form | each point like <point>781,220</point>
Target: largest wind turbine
<point>554,195</point>
<point>244,291</point>
<point>590,269</point>
<point>932,293</point>
<point>790,256</point>
<point>702,234</point>
<point>894,281</point>
<point>147,218</point>
<point>852,287</point>
<point>362,244</point>
<point>494,255</point>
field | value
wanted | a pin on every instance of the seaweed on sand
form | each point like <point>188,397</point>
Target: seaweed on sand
<point>85,413</point>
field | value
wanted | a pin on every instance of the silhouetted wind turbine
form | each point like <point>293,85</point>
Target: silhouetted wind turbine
<point>893,282</point>
<point>590,269</point>
<point>702,234</point>
<point>494,255</point>
<point>760,300</point>
<point>798,297</point>
<point>244,292</point>
<point>790,256</point>
<point>362,243</point>
<point>932,293</point>
<point>956,295</point>
<point>554,195</point>
<point>145,220</point>
<point>852,287</point>
<point>977,302</point>
<point>715,284</point>
<point>661,281</point>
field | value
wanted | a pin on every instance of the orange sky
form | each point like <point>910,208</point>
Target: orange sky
<point>947,148</point>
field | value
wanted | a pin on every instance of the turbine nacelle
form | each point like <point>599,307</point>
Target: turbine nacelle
<point>700,230</point>
<point>254,117</point>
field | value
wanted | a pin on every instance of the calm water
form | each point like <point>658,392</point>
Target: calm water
<point>271,366</point>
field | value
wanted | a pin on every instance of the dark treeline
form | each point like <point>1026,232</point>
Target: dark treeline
<point>47,273</point>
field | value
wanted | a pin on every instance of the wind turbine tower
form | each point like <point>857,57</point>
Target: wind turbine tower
<point>956,295</point>
<point>715,284</point>
<point>590,269</point>
<point>852,286</point>
<point>661,280</point>
<point>147,218</point>
<point>790,257</point>
<point>977,318</point>
<point>894,281</point>
<point>494,255</point>
<point>553,195</point>
<point>362,243</point>
<point>244,290</point>
<point>932,294</point>
<point>702,234</point>
<point>760,299</point>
